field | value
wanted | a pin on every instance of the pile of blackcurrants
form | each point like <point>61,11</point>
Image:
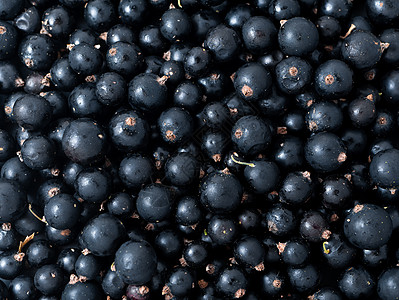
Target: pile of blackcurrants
<point>199,149</point>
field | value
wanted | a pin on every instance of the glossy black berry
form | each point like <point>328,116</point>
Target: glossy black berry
<point>136,262</point>
<point>333,79</point>
<point>324,116</point>
<point>85,59</point>
<point>8,40</point>
<point>154,203</point>
<point>325,152</point>
<point>175,125</point>
<point>356,282</point>
<point>124,58</point>
<point>147,92</point>
<point>62,211</point>
<point>57,21</point>
<point>38,152</point>
<point>371,234</point>
<point>84,141</point>
<point>37,52</point>
<point>223,42</point>
<point>99,14</point>
<point>298,36</point>
<point>252,81</point>
<point>293,75</point>
<point>93,185</point>
<point>102,235</point>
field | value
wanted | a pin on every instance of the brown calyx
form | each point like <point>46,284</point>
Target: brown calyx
<point>260,267</point>
<point>238,133</point>
<point>382,121</point>
<point>370,97</point>
<point>306,174</point>
<point>233,76</point>
<point>202,283</point>
<point>65,232</point>
<point>247,91</point>
<point>103,36</point>
<point>239,294</point>
<point>244,197</point>
<point>215,76</point>
<point>282,22</point>
<point>358,208</point>
<point>392,191</point>
<point>166,292</point>
<point>3,30</point>
<point>233,111</point>
<point>334,218</point>
<point>112,51</point>
<point>130,121</point>
<point>149,227</point>
<point>28,62</point>
<point>310,102</point>
<point>73,279</point>
<point>384,46</point>
<point>282,130</point>
<point>166,55</point>
<point>19,256</point>
<point>272,226</point>
<point>293,71</point>
<point>277,283</point>
<point>70,46</point>
<point>312,125</point>
<point>144,290</point>
<point>326,234</point>
<point>281,247</point>
<point>55,171</point>
<point>369,75</point>
<point>217,157</point>
<point>170,136</point>
<point>329,79</point>
<point>183,262</point>
<point>19,82</point>
<point>226,171</point>
<point>210,269</point>
<point>342,157</point>
<point>162,80</point>
<point>90,78</point>
<point>6,226</point>
<point>86,251</point>
<point>53,191</point>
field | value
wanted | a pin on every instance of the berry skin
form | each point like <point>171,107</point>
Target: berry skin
<point>258,34</point>
<point>154,203</point>
<point>8,40</point>
<point>223,42</point>
<point>362,49</point>
<point>175,25</point>
<point>251,135</point>
<point>37,52</point>
<point>293,75</point>
<point>325,152</point>
<point>298,36</point>
<point>102,235</point>
<point>99,14</point>
<point>333,79</point>
<point>252,81</point>
<point>147,92</point>
<point>220,193</point>
<point>135,170</point>
<point>384,170</point>
<point>356,282</point>
<point>62,211</point>
<point>175,125</point>
<point>84,59</point>
<point>84,141</point>
<point>368,226</point>
<point>38,152</point>
<point>13,201</point>
<point>124,58</point>
<point>136,262</point>
<point>388,284</point>
<point>32,112</point>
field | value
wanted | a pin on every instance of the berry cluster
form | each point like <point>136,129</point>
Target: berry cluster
<point>199,149</point>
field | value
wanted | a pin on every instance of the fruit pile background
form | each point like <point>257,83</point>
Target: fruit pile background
<point>199,149</point>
